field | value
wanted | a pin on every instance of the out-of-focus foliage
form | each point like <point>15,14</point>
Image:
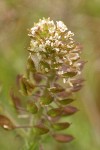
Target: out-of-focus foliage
<point>83,18</point>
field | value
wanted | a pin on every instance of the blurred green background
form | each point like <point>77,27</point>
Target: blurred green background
<point>81,17</point>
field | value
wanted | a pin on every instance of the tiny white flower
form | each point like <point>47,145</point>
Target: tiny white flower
<point>47,42</point>
<point>34,29</point>
<point>57,49</point>
<point>73,56</point>
<point>61,26</point>
<point>70,34</point>
<point>56,35</point>
<point>60,72</point>
<point>52,44</point>
<point>64,80</point>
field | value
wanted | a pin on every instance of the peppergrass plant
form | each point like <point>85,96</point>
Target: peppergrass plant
<point>52,77</point>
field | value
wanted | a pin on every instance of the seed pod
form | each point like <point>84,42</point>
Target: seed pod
<point>61,125</point>
<point>6,123</point>
<point>32,107</point>
<point>65,101</point>
<point>63,138</point>
<point>46,100</point>
<point>27,86</point>
<point>41,129</point>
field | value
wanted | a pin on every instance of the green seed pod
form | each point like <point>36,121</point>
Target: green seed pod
<point>32,107</point>
<point>41,129</point>
<point>61,126</point>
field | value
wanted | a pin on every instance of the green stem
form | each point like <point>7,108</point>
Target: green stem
<point>33,140</point>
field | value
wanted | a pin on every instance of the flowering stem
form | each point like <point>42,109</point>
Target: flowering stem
<point>54,57</point>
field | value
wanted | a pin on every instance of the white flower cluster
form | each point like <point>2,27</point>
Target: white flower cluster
<point>52,48</point>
